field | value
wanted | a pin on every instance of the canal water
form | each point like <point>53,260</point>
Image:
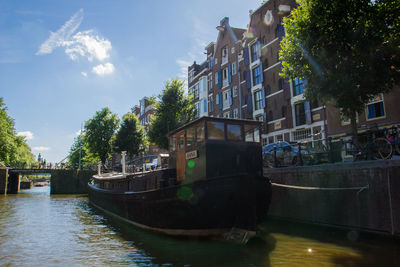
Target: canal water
<point>37,229</point>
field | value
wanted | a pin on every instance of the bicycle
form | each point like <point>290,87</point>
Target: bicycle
<point>394,138</point>
<point>375,148</point>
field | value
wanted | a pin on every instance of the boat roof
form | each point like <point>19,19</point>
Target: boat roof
<point>207,118</point>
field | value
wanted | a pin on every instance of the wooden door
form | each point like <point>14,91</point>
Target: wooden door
<point>180,156</point>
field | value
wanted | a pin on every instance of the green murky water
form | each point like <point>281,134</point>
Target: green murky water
<point>37,229</point>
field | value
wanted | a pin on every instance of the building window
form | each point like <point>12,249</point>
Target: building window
<point>216,78</point>
<point>209,81</point>
<point>256,75</point>
<point>191,76</point>
<point>298,87</point>
<point>210,104</point>
<point>280,84</point>
<point>224,54</point>
<point>226,114</point>
<point>225,81</point>
<point>225,99</point>
<point>258,100</point>
<point>254,52</point>
<point>235,113</point>
<point>300,114</point>
<point>195,91</point>
<point>197,108</point>
<point>268,90</point>
<point>263,40</point>
<point>234,91</point>
<point>234,68</point>
<point>375,107</point>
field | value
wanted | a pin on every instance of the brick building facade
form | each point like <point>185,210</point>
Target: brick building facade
<point>240,79</point>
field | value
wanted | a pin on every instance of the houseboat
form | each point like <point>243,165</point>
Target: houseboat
<point>213,186</point>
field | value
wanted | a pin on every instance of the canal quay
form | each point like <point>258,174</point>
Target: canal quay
<point>43,229</point>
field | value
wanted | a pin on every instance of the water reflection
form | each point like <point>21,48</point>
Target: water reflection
<point>37,229</point>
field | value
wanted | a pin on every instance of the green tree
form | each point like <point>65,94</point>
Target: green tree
<point>7,133</point>
<point>174,109</point>
<point>347,50</point>
<point>99,132</point>
<point>76,151</point>
<point>130,135</point>
<point>13,148</point>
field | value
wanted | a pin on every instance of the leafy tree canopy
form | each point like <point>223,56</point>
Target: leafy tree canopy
<point>174,109</point>
<point>347,50</point>
<point>99,132</point>
<point>13,148</point>
<point>130,135</point>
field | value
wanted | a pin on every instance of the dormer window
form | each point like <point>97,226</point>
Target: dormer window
<point>224,53</point>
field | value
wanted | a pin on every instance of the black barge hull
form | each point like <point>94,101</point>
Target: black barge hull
<point>213,207</point>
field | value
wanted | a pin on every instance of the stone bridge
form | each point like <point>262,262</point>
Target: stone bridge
<point>61,182</point>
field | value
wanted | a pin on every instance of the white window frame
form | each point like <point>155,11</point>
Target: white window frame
<point>234,68</point>
<point>372,102</point>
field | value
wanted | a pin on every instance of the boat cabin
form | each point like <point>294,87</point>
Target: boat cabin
<point>215,147</point>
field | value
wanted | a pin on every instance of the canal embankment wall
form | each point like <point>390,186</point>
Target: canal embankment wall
<point>70,181</point>
<point>361,195</point>
<point>3,180</point>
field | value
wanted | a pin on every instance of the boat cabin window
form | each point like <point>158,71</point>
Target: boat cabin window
<point>181,142</point>
<point>252,133</point>
<point>172,143</point>
<point>215,130</point>
<point>234,132</point>
<point>190,136</point>
<point>200,132</point>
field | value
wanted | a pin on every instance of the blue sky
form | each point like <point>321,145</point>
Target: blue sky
<point>61,61</point>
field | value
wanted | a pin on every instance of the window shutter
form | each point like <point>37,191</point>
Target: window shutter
<point>263,97</point>
<point>246,55</point>
<point>230,97</point>
<point>307,110</point>
<point>219,79</point>
<point>248,81</point>
<point>261,73</point>
<point>249,103</point>
<point>229,73</point>
<point>220,101</point>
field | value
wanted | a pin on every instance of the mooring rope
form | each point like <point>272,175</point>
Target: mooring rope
<point>360,189</point>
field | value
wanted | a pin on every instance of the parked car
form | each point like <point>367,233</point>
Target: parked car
<point>286,154</point>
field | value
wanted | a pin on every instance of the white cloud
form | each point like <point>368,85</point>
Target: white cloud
<point>41,148</point>
<point>58,38</point>
<point>27,134</point>
<point>88,44</point>
<point>84,74</point>
<point>103,69</point>
<point>183,68</point>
